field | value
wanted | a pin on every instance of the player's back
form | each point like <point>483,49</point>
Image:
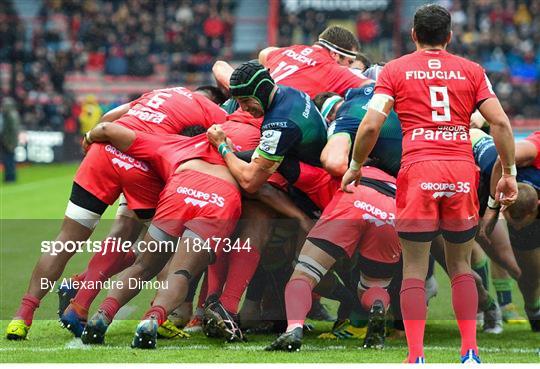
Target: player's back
<point>293,111</point>
<point>435,94</point>
<point>170,110</point>
<point>311,69</point>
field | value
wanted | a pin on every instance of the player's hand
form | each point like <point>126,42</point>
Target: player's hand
<point>85,145</point>
<point>350,177</point>
<point>487,224</point>
<point>477,120</point>
<point>216,135</point>
<point>507,191</point>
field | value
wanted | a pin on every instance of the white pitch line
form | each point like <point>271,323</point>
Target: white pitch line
<point>72,345</point>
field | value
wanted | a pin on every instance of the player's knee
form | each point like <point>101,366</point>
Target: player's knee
<point>309,269</point>
<point>84,208</point>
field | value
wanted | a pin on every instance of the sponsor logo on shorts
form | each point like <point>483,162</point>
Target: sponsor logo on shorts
<point>444,133</point>
<point>446,189</point>
<point>375,215</point>
<point>125,161</point>
<point>200,198</point>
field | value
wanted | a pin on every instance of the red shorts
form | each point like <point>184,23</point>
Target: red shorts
<point>362,220</point>
<point>437,196</point>
<point>207,205</point>
<point>106,172</point>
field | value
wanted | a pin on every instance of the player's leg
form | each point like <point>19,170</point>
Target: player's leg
<point>157,250</point>
<point>529,284</point>
<point>412,294</point>
<point>184,264</point>
<point>82,215</point>
<point>102,266</point>
<point>502,280</point>
<point>313,264</point>
<point>253,231</point>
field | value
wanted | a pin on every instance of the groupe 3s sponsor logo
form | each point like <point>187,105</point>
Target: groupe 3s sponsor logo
<point>374,214</point>
<point>443,132</point>
<point>200,198</point>
<point>125,161</point>
<point>446,189</point>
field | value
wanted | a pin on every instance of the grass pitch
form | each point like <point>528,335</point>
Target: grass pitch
<point>31,211</point>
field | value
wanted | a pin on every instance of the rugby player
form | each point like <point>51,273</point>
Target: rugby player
<point>343,117</point>
<point>103,175</point>
<point>521,217</point>
<point>324,66</point>
<point>434,94</point>
<point>200,201</point>
<point>362,221</point>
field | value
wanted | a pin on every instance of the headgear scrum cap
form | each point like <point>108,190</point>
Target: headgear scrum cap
<point>251,79</point>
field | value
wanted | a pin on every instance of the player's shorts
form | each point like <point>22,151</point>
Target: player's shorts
<point>363,221</point>
<point>106,172</point>
<point>206,205</point>
<point>437,196</point>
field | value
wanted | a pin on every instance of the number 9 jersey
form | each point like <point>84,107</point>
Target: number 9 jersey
<point>312,70</point>
<point>434,95</point>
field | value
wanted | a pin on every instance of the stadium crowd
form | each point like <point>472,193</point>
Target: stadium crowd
<point>128,38</point>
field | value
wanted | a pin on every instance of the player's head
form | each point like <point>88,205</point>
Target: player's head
<point>525,210</point>
<point>214,93</point>
<point>432,25</point>
<point>341,43</point>
<point>328,104</point>
<point>192,131</point>
<point>252,86</point>
<point>362,62</point>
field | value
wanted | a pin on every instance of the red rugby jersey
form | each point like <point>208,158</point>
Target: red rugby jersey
<point>165,152</point>
<point>311,69</point>
<point>170,110</point>
<point>435,94</point>
<point>535,139</point>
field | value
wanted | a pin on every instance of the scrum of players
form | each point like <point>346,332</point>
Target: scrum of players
<point>298,177</point>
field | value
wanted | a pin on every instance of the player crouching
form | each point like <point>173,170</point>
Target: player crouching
<point>362,220</point>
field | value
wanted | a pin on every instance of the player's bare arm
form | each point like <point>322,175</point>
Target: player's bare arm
<point>115,113</point>
<point>503,187</point>
<point>251,176</point>
<point>366,137</point>
<point>263,54</point>
<point>335,155</point>
<point>222,73</point>
<point>119,136</point>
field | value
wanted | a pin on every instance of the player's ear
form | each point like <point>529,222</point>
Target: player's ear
<point>413,35</point>
<point>449,39</point>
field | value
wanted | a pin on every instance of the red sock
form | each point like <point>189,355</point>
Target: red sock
<point>79,277</point>
<point>217,273</point>
<point>100,268</point>
<point>242,267</point>
<point>414,311</point>
<point>204,292</point>
<point>158,312</point>
<point>297,302</point>
<point>465,302</point>
<point>373,294</point>
<point>29,304</point>
<point>110,307</point>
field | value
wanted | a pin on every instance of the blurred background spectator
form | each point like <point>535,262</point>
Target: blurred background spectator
<point>9,131</point>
